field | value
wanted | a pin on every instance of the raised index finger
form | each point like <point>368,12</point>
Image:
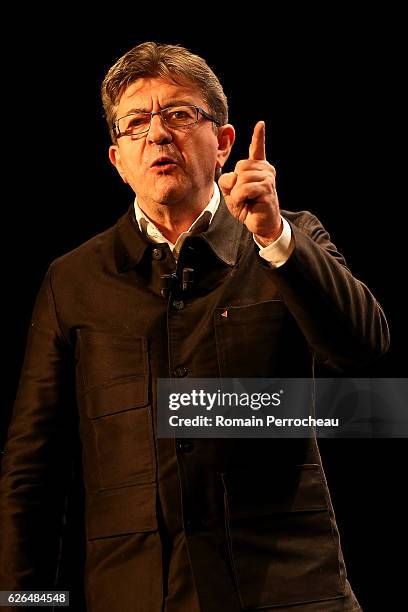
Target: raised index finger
<point>257,146</point>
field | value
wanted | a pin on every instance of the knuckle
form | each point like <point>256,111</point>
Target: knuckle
<point>245,165</point>
<point>241,165</point>
<point>245,177</point>
<point>272,169</point>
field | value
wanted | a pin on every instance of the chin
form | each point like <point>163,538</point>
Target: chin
<point>169,192</point>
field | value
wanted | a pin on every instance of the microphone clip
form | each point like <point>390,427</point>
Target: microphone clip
<point>170,282</point>
<point>187,279</point>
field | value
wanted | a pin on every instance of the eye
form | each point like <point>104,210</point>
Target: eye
<point>180,115</point>
<point>136,120</point>
<point>134,124</point>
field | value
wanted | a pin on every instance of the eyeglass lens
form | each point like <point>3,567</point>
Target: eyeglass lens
<point>176,116</point>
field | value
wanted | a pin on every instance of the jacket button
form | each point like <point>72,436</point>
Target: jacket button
<point>178,304</point>
<point>185,446</point>
<point>180,372</point>
<point>158,254</point>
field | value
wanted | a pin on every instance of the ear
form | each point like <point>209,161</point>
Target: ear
<point>115,159</point>
<point>226,138</point>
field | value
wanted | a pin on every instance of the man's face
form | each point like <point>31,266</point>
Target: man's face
<point>196,149</point>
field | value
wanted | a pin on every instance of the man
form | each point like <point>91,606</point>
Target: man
<point>194,280</point>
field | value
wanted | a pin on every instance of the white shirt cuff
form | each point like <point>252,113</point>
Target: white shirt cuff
<point>277,253</point>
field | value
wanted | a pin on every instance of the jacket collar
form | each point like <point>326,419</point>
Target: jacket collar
<point>222,236</point>
<point>129,242</point>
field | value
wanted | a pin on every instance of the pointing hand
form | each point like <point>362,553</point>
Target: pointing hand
<point>250,191</point>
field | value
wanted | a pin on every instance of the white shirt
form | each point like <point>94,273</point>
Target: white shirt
<point>276,254</point>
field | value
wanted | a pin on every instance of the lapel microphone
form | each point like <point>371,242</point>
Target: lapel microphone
<point>187,279</point>
<point>170,281</point>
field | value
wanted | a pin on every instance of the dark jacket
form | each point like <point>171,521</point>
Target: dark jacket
<point>198,524</point>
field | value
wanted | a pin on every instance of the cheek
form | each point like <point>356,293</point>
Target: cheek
<point>205,158</point>
<point>199,148</point>
<point>132,166</point>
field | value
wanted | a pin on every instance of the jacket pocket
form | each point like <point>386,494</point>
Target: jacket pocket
<point>249,338</point>
<point>121,511</point>
<point>105,358</point>
<point>124,552</point>
<point>114,373</point>
<point>282,539</point>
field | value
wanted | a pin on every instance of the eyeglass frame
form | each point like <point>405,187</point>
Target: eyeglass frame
<point>204,113</point>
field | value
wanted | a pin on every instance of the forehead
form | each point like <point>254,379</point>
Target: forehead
<point>145,92</point>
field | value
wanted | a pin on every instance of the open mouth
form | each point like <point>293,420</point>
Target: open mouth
<point>163,163</point>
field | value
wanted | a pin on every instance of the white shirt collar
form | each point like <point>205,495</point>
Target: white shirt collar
<point>202,223</point>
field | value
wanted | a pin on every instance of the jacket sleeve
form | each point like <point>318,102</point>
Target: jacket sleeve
<point>37,455</point>
<point>340,318</point>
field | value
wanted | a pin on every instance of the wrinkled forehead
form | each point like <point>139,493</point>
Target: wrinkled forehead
<point>146,92</point>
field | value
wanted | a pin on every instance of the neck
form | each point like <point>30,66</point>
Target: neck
<point>172,228</point>
<point>176,218</point>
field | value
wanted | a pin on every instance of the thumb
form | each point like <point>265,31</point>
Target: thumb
<point>226,182</point>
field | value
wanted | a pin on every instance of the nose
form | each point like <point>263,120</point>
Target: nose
<point>158,132</point>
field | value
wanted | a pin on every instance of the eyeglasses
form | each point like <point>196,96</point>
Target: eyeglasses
<point>173,116</point>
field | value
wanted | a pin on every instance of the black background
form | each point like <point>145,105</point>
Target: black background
<point>330,88</point>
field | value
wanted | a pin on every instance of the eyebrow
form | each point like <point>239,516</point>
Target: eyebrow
<point>167,105</point>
